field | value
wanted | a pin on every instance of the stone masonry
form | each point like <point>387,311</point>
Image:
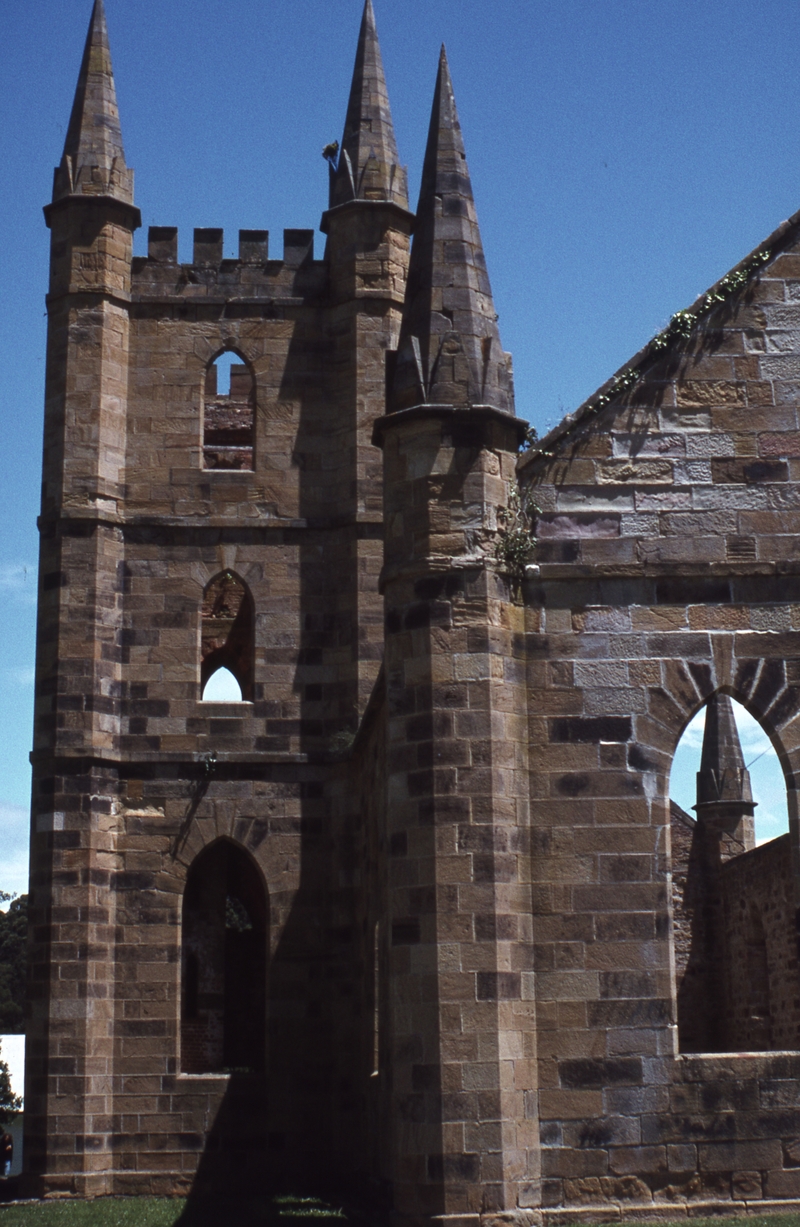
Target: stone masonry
<point>413,916</point>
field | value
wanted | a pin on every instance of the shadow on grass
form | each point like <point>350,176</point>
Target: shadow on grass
<point>280,1211</point>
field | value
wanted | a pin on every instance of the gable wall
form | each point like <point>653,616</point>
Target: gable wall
<point>668,551</point>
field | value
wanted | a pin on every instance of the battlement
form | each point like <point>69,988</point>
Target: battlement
<point>252,274</point>
<point>162,246</point>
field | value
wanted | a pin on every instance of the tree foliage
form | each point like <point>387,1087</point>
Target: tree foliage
<point>10,1103</point>
<point>13,942</point>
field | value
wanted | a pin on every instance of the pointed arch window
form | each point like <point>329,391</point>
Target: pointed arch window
<point>227,639</point>
<point>225,943</point>
<point>732,898</point>
<point>228,413</point>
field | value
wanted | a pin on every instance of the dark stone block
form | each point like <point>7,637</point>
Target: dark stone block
<point>629,1013</point>
<point>601,1071</point>
<point>454,1167</point>
<point>498,985</point>
<point>771,681</point>
<point>638,759</point>
<point>693,590</point>
<point>573,784</point>
<point>406,932</point>
<point>784,707</point>
<point>590,729</point>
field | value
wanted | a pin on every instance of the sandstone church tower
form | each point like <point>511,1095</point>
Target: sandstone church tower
<point>407,914</point>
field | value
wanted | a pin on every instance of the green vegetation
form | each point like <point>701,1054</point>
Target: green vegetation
<point>105,1212</point>
<point>10,1103</point>
<point>679,329</point>
<point>13,938</point>
<point>174,1212</point>
<point>272,1212</point>
<point>515,547</point>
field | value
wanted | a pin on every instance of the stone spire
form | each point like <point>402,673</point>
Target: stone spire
<point>724,796</point>
<point>722,775</point>
<point>93,163</point>
<point>368,166</point>
<point>449,351</point>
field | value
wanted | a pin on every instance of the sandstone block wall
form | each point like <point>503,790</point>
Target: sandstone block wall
<point>480,935</point>
<point>135,775</point>
<point>668,527</point>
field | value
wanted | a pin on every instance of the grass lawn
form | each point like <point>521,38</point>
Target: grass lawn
<point>281,1211</point>
<point>267,1212</point>
<point>164,1212</point>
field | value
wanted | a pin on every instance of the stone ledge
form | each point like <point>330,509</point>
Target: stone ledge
<point>659,1212</point>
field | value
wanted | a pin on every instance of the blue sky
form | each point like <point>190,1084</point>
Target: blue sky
<point>766,776</point>
<point>624,155</point>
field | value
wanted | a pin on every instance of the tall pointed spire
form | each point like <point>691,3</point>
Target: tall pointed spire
<point>369,167</point>
<point>93,163</point>
<point>723,776</point>
<point>450,351</point>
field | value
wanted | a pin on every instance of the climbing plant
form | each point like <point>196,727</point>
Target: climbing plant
<point>680,327</point>
<point>515,547</point>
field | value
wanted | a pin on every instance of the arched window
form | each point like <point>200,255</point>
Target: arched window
<point>224,963</point>
<point>227,640</point>
<point>228,414</point>
<point>733,915</point>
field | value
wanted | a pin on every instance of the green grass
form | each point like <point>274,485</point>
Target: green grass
<point>164,1212</point>
<point>262,1212</point>
<point>105,1212</point>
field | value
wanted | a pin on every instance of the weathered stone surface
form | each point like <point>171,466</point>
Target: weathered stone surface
<point>416,912</point>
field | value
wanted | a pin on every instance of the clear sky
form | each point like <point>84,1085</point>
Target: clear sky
<point>624,154</point>
<point>766,776</point>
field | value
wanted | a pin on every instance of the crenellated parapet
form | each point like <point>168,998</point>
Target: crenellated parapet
<point>251,277</point>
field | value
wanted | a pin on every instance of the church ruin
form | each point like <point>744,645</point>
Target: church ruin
<point>413,915</point>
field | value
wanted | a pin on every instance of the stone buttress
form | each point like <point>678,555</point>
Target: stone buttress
<point>462,1056</point>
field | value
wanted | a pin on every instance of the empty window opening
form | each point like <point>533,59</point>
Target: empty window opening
<point>228,414</point>
<point>766,775</point>
<point>224,963</point>
<point>735,951</point>
<point>222,687</point>
<point>227,644</point>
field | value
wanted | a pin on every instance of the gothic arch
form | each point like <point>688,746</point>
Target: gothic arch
<point>224,953</point>
<point>736,976</point>
<point>227,632</point>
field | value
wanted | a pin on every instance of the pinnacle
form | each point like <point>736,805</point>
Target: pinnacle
<point>450,351</point>
<point>368,167</point>
<point>93,163</point>
<point>722,775</point>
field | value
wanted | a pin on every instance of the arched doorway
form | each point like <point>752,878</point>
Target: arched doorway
<point>224,963</point>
